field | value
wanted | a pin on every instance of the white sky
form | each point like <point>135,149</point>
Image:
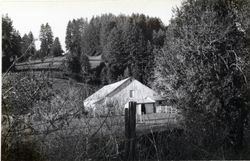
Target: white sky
<point>28,15</point>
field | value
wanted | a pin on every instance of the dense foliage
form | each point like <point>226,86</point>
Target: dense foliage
<point>56,49</point>
<point>28,46</point>
<point>34,109</point>
<point>46,38</point>
<point>20,49</point>
<point>11,43</point>
<point>204,65</point>
<point>14,47</point>
<point>125,43</point>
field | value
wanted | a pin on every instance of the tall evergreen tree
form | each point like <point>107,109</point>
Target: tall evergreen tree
<point>28,46</point>
<point>56,49</point>
<point>134,50</point>
<point>11,43</point>
<point>46,38</point>
<point>32,49</point>
<point>148,64</point>
<point>91,39</point>
<point>68,38</point>
<point>114,55</point>
<point>77,60</point>
<point>107,24</point>
<point>74,35</point>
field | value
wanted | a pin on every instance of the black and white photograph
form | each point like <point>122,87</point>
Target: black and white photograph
<point>121,80</point>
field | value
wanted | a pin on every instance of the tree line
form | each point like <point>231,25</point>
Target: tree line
<point>15,47</point>
<point>126,44</point>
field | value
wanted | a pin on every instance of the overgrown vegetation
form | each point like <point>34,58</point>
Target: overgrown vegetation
<point>36,110</point>
<point>200,60</point>
<point>204,64</point>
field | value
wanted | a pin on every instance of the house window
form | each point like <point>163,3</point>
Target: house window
<point>131,93</point>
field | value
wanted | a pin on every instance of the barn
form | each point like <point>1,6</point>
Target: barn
<point>53,63</point>
<point>115,97</point>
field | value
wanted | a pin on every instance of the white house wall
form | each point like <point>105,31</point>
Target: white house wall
<point>138,109</point>
<point>140,92</point>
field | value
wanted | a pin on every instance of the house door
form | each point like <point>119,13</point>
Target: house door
<point>143,109</point>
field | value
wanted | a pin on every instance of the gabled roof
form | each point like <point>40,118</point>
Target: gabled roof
<point>105,91</point>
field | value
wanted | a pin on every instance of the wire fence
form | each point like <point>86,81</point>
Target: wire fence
<point>105,123</point>
<point>65,132</point>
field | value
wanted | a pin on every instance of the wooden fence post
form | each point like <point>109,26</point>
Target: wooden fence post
<point>130,131</point>
<point>126,133</point>
<point>133,130</point>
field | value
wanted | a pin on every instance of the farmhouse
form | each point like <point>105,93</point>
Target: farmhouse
<point>115,97</point>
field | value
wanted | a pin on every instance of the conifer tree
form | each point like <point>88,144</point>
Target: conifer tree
<point>11,43</point>
<point>56,49</point>
<point>28,46</point>
<point>68,39</point>
<point>46,38</point>
<point>114,55</point>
